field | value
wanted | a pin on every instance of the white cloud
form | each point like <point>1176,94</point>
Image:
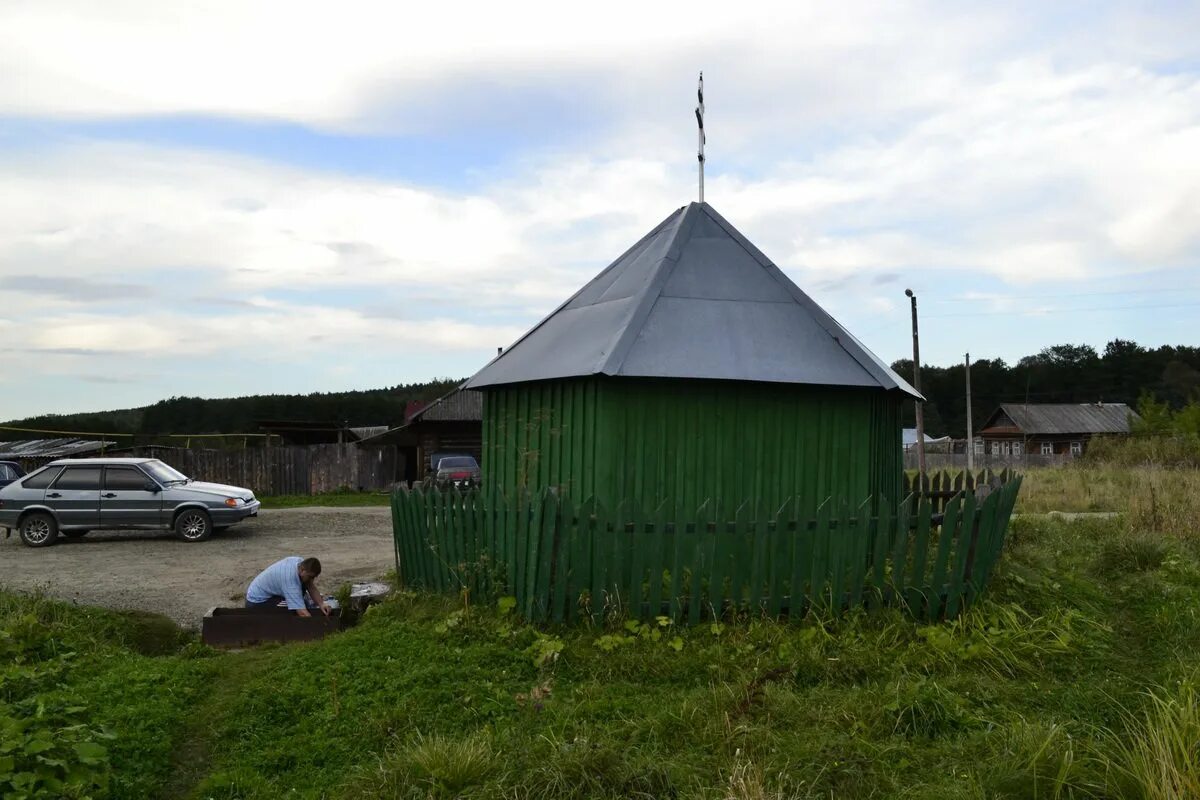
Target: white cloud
<point>924,141</point>
<point>290,333</point>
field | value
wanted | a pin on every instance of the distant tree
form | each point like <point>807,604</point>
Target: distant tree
<point>1155,415</point>
<point>1180,382</point>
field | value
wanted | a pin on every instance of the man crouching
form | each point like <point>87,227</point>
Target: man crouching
<point>288,579</point>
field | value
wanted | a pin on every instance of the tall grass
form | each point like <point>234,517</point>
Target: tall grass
<point>747,782</point>
<point>1182,450</point>
<point>1153,499</point>
<point>1158,756</point>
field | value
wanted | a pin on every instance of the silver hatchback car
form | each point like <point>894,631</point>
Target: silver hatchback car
<point>74,496</point>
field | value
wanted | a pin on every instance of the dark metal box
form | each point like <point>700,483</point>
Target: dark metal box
<point>244,627</point>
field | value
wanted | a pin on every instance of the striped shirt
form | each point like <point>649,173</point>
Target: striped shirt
<point>281,579</point>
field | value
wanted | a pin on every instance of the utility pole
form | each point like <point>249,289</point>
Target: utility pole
<point>970,436</point>
<point>917,386</point>
<point>700,131</point>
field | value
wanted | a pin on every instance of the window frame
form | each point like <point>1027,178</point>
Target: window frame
<point>144,479</point>
<point>68,468</point>
<point>1076,448</point>
<point>53,472</point>
<point>1047,448</point>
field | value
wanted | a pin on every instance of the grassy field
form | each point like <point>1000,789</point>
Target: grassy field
<point>1154,498</point>
<point>1076,676</point>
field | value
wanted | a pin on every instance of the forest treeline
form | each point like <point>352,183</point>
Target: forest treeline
<point>1065,373</point>
<point>195,415</point>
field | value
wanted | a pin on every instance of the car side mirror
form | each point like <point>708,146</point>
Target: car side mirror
<point>151,486</point>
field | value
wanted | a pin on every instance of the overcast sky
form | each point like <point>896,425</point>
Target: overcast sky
<point>238,198</point>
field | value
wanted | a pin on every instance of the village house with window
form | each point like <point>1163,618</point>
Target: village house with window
<point>1016,429</point>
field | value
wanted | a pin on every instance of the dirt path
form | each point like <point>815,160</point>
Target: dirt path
<point>153,571</point>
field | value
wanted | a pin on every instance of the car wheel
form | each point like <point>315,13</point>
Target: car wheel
<point>75,534</point>
<point>193,525</point>
<point>39,530</point>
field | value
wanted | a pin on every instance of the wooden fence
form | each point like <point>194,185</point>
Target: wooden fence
<point>310,469</point>
<point>940,487</point>
<point>958,461</point>
<point>564,562</point>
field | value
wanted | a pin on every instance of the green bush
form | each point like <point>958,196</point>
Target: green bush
<point>51,752</point>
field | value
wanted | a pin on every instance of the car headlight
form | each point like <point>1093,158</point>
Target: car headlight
<point>232,502</point>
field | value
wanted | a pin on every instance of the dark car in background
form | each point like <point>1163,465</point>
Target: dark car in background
<point>9,472</point>
<point>456,471</point>
<point>74,496</point>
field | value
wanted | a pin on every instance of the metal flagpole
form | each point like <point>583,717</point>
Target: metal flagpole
<point>700,121</point>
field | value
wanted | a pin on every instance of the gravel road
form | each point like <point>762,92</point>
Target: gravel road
<point>153,571</point>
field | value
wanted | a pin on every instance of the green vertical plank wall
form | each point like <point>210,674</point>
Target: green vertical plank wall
<point>691,441</point>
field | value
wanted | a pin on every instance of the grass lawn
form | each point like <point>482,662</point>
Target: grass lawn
<point>1075,676</point>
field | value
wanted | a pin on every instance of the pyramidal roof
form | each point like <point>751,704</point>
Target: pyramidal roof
<point>693,299</point>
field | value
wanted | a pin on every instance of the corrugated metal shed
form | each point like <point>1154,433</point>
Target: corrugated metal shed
<point>1062,418</point>
<point>51,448</point>
<point>693,299</point>
<point>728,442</point>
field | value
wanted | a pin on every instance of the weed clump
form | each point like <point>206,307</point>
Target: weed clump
<point>581,768</point>
<point>432,766</point>
<point>925,709</point>
<point>1133,553</point>
<point>1043,760</point>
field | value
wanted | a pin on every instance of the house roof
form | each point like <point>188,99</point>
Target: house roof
<point>308,431</point>
<point>1064,418</point>
<point>909,437</point>
<point>693,299</point>
<point>459,405</point>
<point>51,448</point>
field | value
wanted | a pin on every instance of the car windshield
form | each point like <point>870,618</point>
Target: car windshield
<point>164,474</point>
<point>457,463</point>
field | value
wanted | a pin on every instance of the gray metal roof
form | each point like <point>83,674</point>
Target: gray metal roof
<point>693,299</point>
<point>51,448</point>
<point>1051,418</point>
<point>909,438</point>
<point>99,461</point>
<point>459,405</point>
<point>367,431</point>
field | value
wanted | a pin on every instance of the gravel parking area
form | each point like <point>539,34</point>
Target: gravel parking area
<point>153,571</point>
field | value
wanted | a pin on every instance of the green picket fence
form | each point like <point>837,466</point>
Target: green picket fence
<point>564,562</point>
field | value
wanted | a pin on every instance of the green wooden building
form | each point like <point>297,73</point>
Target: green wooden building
<point>692,369</point>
